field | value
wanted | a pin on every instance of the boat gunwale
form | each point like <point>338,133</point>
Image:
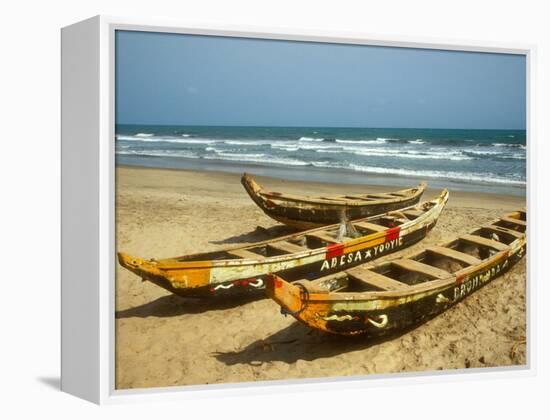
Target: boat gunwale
<point>171,264</point>
<point>412,193</point>
<point>436,285</point>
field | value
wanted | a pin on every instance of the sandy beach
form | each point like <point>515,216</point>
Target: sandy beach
<point>166,340</point>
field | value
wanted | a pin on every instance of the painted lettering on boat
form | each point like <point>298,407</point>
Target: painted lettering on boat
<point>360,256</point>
<point>468,286</point>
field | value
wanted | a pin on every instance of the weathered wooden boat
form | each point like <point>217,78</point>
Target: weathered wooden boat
<point>308,254</point>
<point>308,212</point>
<point>377,298</point>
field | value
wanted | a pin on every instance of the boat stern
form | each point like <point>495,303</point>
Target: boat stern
<point>139,266</point>
<point>287,295</point>
<point>441,202</point>
<point>190,280</point>
<point>421,188</point>
<point>251,186</point>
<point>444,196</point>
<point>437,205</point>
<point>295,300</point>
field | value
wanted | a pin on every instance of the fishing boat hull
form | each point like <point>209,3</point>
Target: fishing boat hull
<point>187,277</point>
<point>385,311</point>
<point>310,212</point>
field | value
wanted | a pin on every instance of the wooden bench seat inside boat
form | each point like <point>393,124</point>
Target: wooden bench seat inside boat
<point>514,221</point>
<point>479,240</point>
<point>381,196</point>
<point>500,229</point>
<point>413,213</point>
<point>333,283</point>
<point>370,226</point>
<point>418,267</point>
<point>323,236</point>
<point>358,197</point>
<point>376,280</point>
<point>399,194</point>
<point>393,220</point>
<point>454,255</point>
<point>286,247</point>
<point>338,198</point>
<point>244,253</point>
<point>399,214</point>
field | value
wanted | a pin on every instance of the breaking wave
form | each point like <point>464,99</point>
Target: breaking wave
<point>463,157</point>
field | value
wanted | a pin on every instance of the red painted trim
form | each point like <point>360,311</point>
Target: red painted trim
<point>334,251</point>
<point>392,233</point>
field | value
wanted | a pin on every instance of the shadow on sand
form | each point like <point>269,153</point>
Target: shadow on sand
<point>174,305</point>
<point>257,235</point>
<point>298,342</point>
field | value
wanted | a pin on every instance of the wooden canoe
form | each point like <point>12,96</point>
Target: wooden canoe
<point>308,212</point>
<point>308,254</point>
<point>377,298</point>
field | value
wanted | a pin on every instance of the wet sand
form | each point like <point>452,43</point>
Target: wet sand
<point>165,340</point>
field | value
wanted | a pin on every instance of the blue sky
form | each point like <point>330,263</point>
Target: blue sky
<point>198,80</point>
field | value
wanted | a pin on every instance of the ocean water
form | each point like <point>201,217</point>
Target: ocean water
<point>469,160</point>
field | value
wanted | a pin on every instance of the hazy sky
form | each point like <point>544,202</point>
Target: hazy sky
<point>200,80</point>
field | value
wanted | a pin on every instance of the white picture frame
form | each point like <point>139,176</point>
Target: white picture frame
<point>88,203</point>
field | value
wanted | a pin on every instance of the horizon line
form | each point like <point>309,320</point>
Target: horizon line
<point>311,126</point>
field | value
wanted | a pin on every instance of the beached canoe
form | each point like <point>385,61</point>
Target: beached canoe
<point>308,212</point>
<point>308,254</point>
<point>377,298</point>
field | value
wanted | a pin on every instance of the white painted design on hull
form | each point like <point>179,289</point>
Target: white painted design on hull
<point>383,321</point>
<point>337,318</point>
<point>223,286</point>
<point>442,298</point>
<point>257,284</point>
